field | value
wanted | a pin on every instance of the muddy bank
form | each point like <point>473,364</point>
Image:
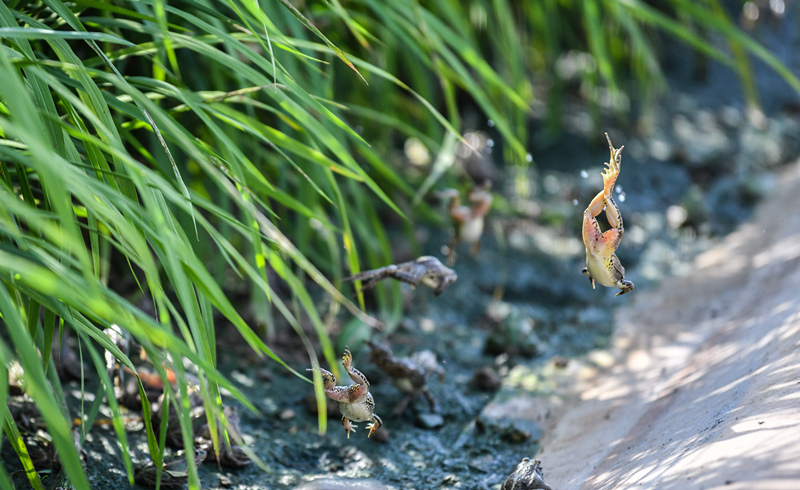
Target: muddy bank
<point>701,387</point>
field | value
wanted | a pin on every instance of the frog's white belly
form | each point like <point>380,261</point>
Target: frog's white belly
<point>472,230</point>
<point>358,412</point>
<point>599,269</point>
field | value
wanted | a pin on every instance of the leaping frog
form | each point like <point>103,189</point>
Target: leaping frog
<point>426,270</point>
<point>408,374</point>
<point>468,221</point>
<point>355,401</point>
<point>602,264</point>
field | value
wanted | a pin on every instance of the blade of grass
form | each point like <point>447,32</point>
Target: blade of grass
<point>319,34</point>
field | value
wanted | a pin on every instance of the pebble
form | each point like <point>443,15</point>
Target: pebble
<point>287,414</point>
<point>486,379</point>
<point>560,361</point>
<point>381,435</point>
<point>515,435</point>
<point>263,375</point>
<point>429,421</point>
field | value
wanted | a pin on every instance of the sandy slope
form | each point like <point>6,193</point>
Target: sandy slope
<point>704,390</point>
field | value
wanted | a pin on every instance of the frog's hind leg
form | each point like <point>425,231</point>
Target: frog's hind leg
<point>413,276</point>
<point>612,237</point>
<point>596,241</point>
<point>358,391</point>
<point>609,240</point>
<point>371,277</point>
<point>612,168</point>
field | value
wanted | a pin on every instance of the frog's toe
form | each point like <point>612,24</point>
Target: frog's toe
<point>374,425</point>
<point>348,427</point>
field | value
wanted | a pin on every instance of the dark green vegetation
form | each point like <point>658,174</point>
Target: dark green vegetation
<point>156,158</point>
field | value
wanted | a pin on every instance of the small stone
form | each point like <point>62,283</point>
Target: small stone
<point>429,421</point>
<point>427,325</point>
<point>381,435</point>
<point>486,379</point>
<point>560,361</point>
<point>449,479</point>
<point>264,375</point>
<point>287,414</point>
<point>515,435</point>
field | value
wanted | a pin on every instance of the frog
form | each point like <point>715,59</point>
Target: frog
<point>174,472</point>
<point>527,476</point>
<point>602,264</point>
<point>408,374</point>
<point>468,221</point>
<point>515,335</point>
<point>427,270</point>
<point>355,402</point>
<point>231,455</point>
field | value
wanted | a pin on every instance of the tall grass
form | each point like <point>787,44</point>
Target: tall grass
<point>168,144</point>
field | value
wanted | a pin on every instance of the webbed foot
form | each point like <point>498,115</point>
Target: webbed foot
<point>347,358</point>
<point>376,424</point>
<point>348,427</point>
<point>624,287</point>
<point>328,379</point>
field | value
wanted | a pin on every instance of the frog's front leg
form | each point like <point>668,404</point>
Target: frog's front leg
<point>328,379</point>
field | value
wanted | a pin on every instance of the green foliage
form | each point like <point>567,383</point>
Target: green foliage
<point>174,145</point>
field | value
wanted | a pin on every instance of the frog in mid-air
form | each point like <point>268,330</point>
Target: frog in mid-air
<point>602,264</point>
<point>408,374</point>
<point>355,401</point>
<point>427,270</point>
<point>468,221</point>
